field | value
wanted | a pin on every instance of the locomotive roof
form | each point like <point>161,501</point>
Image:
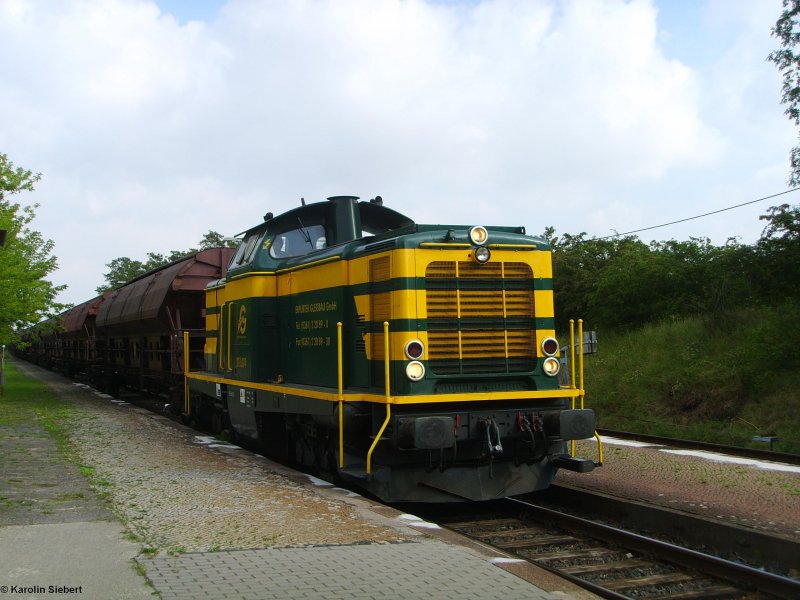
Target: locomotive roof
<point>374,217</point>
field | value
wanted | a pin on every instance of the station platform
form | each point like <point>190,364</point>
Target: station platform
<point>426,568</point>
<point>120,503</point>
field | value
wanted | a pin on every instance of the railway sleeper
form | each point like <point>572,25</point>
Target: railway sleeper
<point>468,526</point>
<point>707,593</point>
<point>514,533</point>
<point>639,583</point>
<point>605,567</point>
<point>533,543</point>
<point>593,554</point>
<point>604,573</point>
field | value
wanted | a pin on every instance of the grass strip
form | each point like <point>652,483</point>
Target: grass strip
<point>26,398</point>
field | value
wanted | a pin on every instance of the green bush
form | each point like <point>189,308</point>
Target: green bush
<point>719,380</point>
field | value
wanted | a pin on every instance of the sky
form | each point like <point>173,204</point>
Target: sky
<point>153,122</point>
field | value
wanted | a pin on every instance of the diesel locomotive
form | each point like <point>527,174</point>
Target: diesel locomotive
<point>418,362</point>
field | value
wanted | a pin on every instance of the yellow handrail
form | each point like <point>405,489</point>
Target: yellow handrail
<point>572,372</point>
<point>228,359</point>
<point>599,447</point>
<point>581,382</point>
<point>341,394</point>
<point>185,372</point>
<point>221,339</point>
<point>572,356</point>
<point>388,396</point>
<point>580,358</point>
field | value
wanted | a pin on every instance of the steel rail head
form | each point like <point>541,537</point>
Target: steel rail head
<point>763,581</point>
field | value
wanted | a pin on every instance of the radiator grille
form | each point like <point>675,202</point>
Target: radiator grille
<point>380,269</point>
<point>480,317</point>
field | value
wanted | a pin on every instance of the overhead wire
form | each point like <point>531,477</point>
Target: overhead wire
<point>713,212</point>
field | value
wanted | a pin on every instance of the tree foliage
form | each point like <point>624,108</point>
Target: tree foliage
<point>123,269</point>
<point>214,239</point>
<point>787,59</point>
<point>26,297</point>
<point>779,254</point>
<point>624,283</point>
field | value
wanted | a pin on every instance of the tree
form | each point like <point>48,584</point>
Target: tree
<point>623,283</point>
<point>214,239</point>
<point>787,59</point>
<point>120,271</point>
<point>783,223</point>
<point>579,265</point>
<point>123,269</point>
<point>778,253</point>
<point>26,297</point>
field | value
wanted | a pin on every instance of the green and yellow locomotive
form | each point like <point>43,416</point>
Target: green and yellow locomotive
<point>418,361</point>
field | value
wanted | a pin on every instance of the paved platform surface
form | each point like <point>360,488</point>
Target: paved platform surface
<point>77,560</point>
<point>57,538</point>
<point>428,569</point>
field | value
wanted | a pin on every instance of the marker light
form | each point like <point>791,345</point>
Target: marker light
<point>415,370</point>
<point>478,235</point>
<point>415,349</point>
<point>481,255</point>
<point>551,366</point>
<point>550,346</point>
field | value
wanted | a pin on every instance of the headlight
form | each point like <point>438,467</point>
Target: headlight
<point>415,370</point>
<point>481,255</point>
<point>550,346</point>
<point>551,366</point>
<point>414,349</point>
<point>478,235</point>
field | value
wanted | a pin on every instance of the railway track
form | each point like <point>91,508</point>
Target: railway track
<point>754,547</point>
<point>612,562</point>
<point>752,453</point>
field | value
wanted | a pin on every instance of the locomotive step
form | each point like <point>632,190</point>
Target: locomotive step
<point>359,471</point>
<point>579,465</point>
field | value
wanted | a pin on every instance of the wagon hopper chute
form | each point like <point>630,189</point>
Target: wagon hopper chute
<point>139,327</point>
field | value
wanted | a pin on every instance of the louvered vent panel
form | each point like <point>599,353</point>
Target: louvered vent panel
<point>480,317</point>
<point>380,269</point>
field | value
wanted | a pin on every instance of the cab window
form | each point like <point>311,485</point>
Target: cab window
<point>244,254</point>
<point>298,242</point>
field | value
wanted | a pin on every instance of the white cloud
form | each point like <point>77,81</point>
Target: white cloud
<point>150,131</point>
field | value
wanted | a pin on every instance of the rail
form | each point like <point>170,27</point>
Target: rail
<point>714,566</point>
<point>753,453</point>
<point>756,547</point>
<point>609,561</point>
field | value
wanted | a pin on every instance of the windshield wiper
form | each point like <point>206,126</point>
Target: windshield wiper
<point>304,233</point>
